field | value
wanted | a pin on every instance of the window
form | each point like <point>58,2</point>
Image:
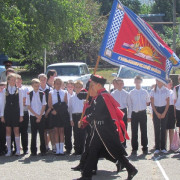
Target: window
<point>127,73</point>
<point>65,70</point>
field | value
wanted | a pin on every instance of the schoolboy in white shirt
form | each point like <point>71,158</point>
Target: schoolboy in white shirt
<point>121,96</point>
<point>36,103</point>
<point>68,127</point>
<point>138,101</point>
<point>24,124</point>
<point>76,108</point>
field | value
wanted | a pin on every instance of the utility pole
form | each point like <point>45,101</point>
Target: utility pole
<point>45,60</point>
<point>174,29</point>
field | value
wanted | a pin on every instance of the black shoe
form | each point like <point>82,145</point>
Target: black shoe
<point>94,172</point>
<point>119,166</point>
<point>132,174</point>
<point>134,152</point>
<point>76,153</point>
<point>33,154</point>
<point>77,168</point>
<point>68,152</point>
<point>43,154</point>
<point>26,152</point>
<point>145,152</point>
<point>84,178</point>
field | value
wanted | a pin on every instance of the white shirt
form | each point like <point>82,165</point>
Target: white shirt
<point>36,103</point>
<point>177,98</point>
<point>69,96</point>
<point>47,87</point>
<point>171,99</point>
<point>2,100</point>
<point>138,99</point>
<point>160,96</point>
<point>12,90</point>
<point>54,95</point>
<point>75,105</point>
<point>121,97</point>
<point>25,91</point>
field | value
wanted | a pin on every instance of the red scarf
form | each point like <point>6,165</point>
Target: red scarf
<point>116,114</point>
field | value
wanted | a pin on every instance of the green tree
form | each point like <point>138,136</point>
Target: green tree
<point>134,5</point>
<point>105,8</point>
<point>166,7</point>
<point>30,25</point>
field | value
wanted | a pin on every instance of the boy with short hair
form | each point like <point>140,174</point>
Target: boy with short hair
<point>36,103</point>
<point>138,100</point>
<point>121,96</point>
<point>49,129</point>
<point>68,127</point>
<point>2,125</point>
<point>76,108</point>
<point>24,124</point>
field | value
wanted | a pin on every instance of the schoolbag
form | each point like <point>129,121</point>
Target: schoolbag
<point>40,95</point>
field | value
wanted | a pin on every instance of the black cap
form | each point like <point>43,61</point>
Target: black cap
<point>7,62</point>
<point>98,79</point>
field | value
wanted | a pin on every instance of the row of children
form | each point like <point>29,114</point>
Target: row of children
<point>165,104</point>
<point>52,111</point>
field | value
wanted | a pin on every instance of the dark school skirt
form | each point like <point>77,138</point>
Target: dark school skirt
<point>58,121</point>
<point>171,118</point>
<point>12,111</point>
<point>49,122</point>
<point>178,118</point>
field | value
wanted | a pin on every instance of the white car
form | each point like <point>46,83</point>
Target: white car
<point>128,75</point>
<point>71,71</point>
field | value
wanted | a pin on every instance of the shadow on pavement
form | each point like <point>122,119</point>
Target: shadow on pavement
<point>177,156</point>
<point>49,158</point>
<point>106,175</point>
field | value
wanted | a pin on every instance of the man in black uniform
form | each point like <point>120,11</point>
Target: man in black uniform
<point>105,136</point>
<point>103,154</point>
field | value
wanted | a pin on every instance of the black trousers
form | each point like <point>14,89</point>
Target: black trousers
<point>68,135</point>
<point>139,118</point>
<point>37,127</point>
<point>24,131</point>
<point>160,129</point>
<point>79,135</point>
<point>2,137</point>
<point>125,122</point>
<point>86,147</point>
<point>94,152</point>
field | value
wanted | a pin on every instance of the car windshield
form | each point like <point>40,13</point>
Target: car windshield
<point>127,73</point>
<point>65,70</point>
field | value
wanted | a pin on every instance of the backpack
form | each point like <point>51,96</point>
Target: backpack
<point>40,95</point>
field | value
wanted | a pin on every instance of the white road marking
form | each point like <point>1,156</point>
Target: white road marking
<point>161,168</point>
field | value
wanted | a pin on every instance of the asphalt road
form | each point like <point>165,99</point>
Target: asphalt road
<point>53,167</point>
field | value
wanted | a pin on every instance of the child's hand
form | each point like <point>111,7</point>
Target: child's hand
<point>72,123</point>
<point>38,116</point>
<point>80,123</point>
<point>163,115</point>
<point>46,114</point>
<point>54,112</point>
<point>21,119</point>
<point>2,120</point>
<point>38,120</point>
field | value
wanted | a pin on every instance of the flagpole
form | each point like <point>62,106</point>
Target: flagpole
<point>95,69</point>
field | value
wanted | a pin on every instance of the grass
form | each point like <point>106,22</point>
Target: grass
<point>105,72</point>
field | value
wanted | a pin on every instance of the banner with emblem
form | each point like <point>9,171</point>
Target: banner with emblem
<point>130,41</point>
